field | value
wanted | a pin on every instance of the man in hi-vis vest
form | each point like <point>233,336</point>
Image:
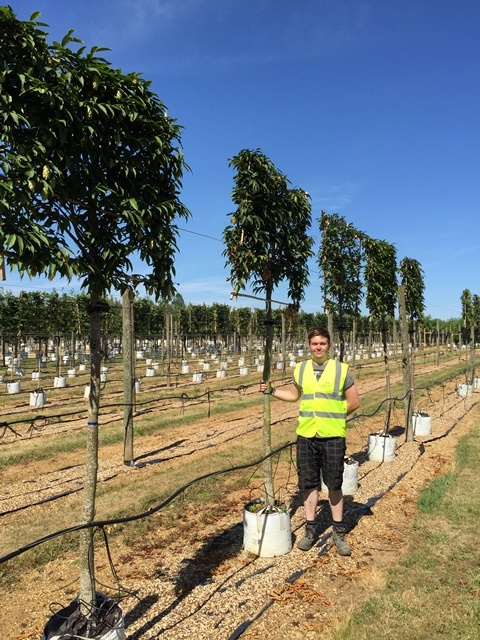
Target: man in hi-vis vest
<point>327,394</point>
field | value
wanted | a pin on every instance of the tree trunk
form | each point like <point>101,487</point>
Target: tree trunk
<point>284,347</point>
<point>128,375</point>
<point>267,423</point>
<point>406,365</point>
<point>87,564</point>
<point>438,342</point>
<point>388,410</point>
<point>472,354</point>
<point>331,353</point>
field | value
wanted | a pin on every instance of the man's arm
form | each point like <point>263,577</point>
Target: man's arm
<point>290,394</point>
<point>353,401</point>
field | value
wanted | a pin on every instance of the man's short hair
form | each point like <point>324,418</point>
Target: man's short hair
<point>313,333</point>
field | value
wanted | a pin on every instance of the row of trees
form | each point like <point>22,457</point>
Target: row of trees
<point>35,313</point>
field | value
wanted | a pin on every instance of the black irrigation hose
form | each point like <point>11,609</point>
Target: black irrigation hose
<point>241,389</point>
<point>139,516</point>
<point>370,415</point>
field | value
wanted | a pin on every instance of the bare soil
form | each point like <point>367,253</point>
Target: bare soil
<point>188,576</point>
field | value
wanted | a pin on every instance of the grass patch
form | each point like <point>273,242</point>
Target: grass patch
<point>434,592</point>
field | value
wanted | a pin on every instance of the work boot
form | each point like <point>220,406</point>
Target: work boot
<point>338,538</point>
<point>308,540</point>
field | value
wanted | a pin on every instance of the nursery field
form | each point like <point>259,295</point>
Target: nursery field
<point>177,563</point>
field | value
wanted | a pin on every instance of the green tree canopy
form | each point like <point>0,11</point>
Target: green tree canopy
<point>380,276</point>
<point>90,164</point>
<point>267,241</point>
<point>412,277</point>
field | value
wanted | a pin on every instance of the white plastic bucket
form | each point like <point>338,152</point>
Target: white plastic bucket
<point>82,367</point>
<point>150,372</point>
<point>87,392</point>
<point>422,424</point>
<point>59,382</point>
<point>71,373</point>
<point>36,375</point>
<point>221,373</point>
<point>38,398</point>
<point>464,390</point>
<point>381,447</point>
<point>244,371</point>
<point>197,377</point>
<point>13,387</point>
<point>185,368</point>
<point>266,533</point>
<point>138,385</point>
<point>206,366</point>
<point>103,377</point>
<point>476,383</point>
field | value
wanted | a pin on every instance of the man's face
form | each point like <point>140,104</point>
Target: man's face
<point>319,346</point>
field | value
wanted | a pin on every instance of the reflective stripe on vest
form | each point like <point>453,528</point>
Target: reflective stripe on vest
<point>323,408</point>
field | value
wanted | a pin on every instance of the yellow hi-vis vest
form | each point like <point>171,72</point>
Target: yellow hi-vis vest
<point>323,407</point>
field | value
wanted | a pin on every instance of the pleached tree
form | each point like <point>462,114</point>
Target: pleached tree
<point>90,172</point>
<point>267,243</point>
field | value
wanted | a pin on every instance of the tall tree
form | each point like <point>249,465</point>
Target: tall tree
<point>470,317</point>
<point>412,278</point>
<point>267,242</point>
<point>380,274</point>
<point>339,261</point>
<point>90,172</point>
<point>411,305</point>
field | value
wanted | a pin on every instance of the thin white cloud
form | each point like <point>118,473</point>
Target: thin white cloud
<point>228,34</point>
<point>334,198</point>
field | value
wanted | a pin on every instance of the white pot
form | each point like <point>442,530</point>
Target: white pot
<point>38,398</point>
<point>381,447</point>
<point>422,424</point>
<point>266,533</point>
<point>465,390</point>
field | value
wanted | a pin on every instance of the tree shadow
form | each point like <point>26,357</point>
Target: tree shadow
<point>195,571</point>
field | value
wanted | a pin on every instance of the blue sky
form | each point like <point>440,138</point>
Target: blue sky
<point>371,106</point>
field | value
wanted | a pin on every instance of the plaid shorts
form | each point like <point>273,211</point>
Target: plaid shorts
<point>320,457</point>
